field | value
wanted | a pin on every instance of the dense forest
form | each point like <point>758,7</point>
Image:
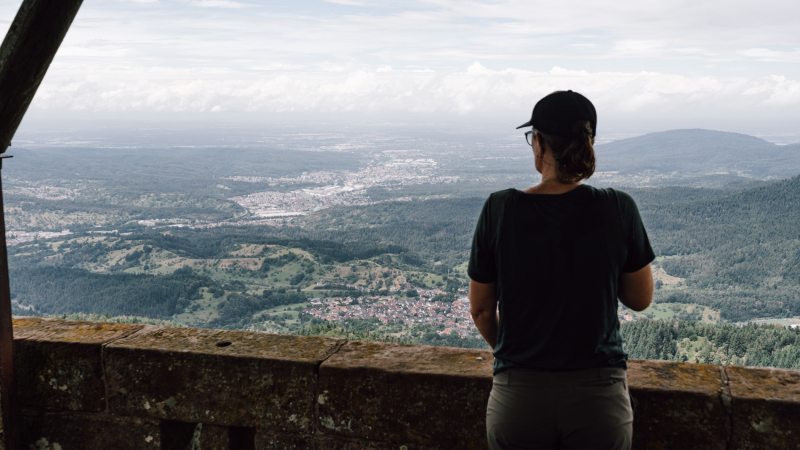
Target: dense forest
<point>751,345</point>
<point>158,297</point>
<point>45,289</point>
<point>739,253</point>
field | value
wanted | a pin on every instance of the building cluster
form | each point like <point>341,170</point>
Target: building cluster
<point>276,204</point>
<point>160,223</point>
<point>45,192</point>
<point>305,177</point>
<point>454,316</point>
<point>339,189</point>
<point>18,237</point>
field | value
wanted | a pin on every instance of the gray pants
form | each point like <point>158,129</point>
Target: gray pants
<point>584,409</point>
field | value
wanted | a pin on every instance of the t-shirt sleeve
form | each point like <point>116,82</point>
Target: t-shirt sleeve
<point>481,266</point>
<point>640,253</point>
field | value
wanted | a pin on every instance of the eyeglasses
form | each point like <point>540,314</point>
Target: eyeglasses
<point>529,136</point>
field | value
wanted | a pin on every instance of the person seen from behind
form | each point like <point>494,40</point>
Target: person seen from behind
<point>555,258</point>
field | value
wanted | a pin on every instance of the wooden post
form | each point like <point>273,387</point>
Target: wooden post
<point>26,53</point>
<point>8,401</point>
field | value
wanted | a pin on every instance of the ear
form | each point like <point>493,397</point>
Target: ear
<point>542,144</point>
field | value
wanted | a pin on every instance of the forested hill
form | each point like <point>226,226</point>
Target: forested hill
<point>739,254</point>
<point>766,214</point>
<point>751,345</point>
<point>700,152</point>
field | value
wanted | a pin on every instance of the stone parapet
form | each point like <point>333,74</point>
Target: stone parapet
<point>217,377</point>
<point>88,385</point>
<point>410,394</point>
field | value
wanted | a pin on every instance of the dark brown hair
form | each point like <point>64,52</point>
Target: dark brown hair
<point>574,155</point>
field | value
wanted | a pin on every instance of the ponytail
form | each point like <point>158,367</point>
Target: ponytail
<point>574,155</point>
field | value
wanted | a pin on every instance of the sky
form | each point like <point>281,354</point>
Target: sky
<point>648,65</point>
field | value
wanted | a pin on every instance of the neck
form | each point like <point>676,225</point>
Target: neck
<point>552,186</point>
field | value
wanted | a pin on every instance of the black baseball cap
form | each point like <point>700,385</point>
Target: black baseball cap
<point>557,113</point>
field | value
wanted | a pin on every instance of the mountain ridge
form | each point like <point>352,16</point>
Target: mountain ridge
<point>700,152</point>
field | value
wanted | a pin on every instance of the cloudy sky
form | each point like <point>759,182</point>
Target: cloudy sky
<point>647,64</point>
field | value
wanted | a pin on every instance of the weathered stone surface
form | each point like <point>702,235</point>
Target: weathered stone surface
<point>265,441</point>
<point>23,324</point>
<point>406,394</point>
<point>58,362</point>
<point>766,407</point>
<point>678,405</point>
<point>162,381</point>
<point>216,377</point>
<point>48,430</point>
<point>182,435</point>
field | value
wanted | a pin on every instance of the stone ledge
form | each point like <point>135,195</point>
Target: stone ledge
<point>218,377</point>
<point>406,394</point>
<point>678,405</point>
<point>59,363</point>
<point>277,391</point>
<point>765,406</point>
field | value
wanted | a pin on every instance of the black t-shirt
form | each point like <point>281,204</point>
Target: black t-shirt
<point>557,260</point>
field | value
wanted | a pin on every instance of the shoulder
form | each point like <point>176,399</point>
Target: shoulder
<point>621,198</point>
<point>501,197</point>
<point>504,194</point>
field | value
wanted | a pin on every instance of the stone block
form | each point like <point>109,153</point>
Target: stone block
<point>217,377</point>
<point>766,407</point>
<point>59,363</point>
<point>48,430</point>
<point>406,394</point>
<point>678,405</point>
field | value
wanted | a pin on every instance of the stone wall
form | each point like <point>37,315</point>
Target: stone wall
<point>89,385</point>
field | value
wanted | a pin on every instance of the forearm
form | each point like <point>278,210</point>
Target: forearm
<point>483,308</point>
<point>487,324</point>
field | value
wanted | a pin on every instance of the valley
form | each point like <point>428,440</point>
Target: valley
<point>373,239</point>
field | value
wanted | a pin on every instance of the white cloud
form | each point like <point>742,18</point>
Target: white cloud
<point>346,2</point>
<point>473,91</point>
<point>641,59</point>
<point>764,54</point>
<point>215,3</point>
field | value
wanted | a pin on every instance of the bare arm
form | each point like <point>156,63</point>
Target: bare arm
<point>483,307</point>
<point>636,288</point>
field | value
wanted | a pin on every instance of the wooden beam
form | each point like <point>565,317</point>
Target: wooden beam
<point>26,53</point>
<point>9,438</point>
